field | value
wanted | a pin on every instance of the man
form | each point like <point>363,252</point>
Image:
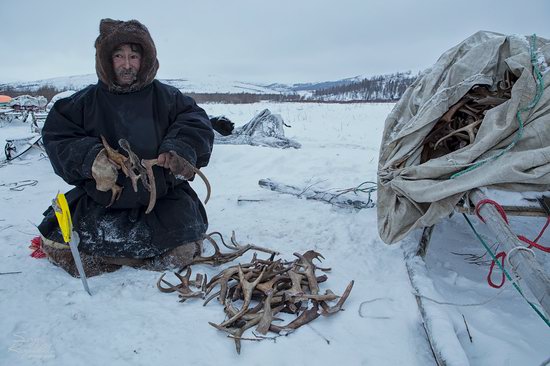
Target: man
<point>159,122</point>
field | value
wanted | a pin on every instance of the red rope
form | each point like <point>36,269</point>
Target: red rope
<point>489,280</point>
<point>520,237</point>
<point>543,229</point>
<point>494,203</point>
<point>534,244</point>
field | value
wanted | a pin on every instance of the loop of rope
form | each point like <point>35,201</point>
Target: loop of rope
<point>516,249</point>
<point>516,286</point>
<point>494,203</point>
<point>531,243</point>
<point>501,256</point>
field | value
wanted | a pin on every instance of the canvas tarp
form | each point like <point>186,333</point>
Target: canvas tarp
<point>413,195</point>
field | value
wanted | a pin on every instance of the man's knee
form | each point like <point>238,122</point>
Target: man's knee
<point>60,255</point>
<point>178,257</point>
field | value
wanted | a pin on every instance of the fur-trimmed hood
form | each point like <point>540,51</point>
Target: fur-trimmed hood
<point>112,33</point>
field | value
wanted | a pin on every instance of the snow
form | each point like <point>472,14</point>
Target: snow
<point>206,84</point>
<point>48,319</point>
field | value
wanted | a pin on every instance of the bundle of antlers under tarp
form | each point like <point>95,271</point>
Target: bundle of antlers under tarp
<point>458,127</point>
<point>264,287</point>
<point>137,170</point>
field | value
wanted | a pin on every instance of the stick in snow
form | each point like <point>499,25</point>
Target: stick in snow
<point>311,194</point>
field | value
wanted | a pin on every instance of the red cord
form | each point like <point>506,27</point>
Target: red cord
<point>489,280</point>
<point>533,244</point>
<point>543,229</point>
<point>494,203</point>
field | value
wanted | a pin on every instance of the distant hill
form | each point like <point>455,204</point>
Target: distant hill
<point>378,88</point>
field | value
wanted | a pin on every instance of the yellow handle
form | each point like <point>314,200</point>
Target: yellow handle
<point>61,209</point>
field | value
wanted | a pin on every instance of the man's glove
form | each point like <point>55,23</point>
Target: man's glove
<point>104,172</point>
<point>180,167</point>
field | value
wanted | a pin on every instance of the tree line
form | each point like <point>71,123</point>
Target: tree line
<point>383,88</point>
<point>378,88</point>
<point>46,91</point>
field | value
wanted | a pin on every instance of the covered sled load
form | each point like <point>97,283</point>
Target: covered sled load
<point>480,116</point>
<point>28,102</point>
<point>265,129</point>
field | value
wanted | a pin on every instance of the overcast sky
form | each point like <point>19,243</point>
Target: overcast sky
<point>259,41</point>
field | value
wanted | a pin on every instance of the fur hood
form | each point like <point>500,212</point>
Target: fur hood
<point>112,33</point>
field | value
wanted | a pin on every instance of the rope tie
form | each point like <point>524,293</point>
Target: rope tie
<point>501,256</point>
<point>516,286</point>
<point>494,203</point>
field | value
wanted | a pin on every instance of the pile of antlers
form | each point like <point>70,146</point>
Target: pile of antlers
<point>138,169</point>
<point>458,127</point>
<point>263,288</point>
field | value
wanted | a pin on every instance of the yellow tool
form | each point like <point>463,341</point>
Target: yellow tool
<point>63,214</point>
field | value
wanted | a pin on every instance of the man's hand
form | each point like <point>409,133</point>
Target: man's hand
<point>177,165</point>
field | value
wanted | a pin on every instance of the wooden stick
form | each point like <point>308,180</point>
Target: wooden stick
<point>510,211</point>
<point>311,194</point>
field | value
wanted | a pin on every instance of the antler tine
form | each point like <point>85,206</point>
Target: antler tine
<point>237,333</point>
<point>148,165</point>
<point>217,233</point>
<point>214,259</point>
<point>184,278</point>
<point>296,288</point>
<point>328,296</point>
<point>468,129</point>
<point>170,289</point>
<point>208,299</point>
<point>328,310</point>
<point>267,316</point>
<point>448,116</point>
<point>247,288</point>
<point>309,271</point>
<point>236,245</point>
<point>305,317</point>
<point>223,281</point>
<point>135,165</point>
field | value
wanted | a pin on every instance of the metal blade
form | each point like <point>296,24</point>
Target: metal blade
<point>76,255</point>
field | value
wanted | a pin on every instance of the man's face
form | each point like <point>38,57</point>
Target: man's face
<point>126,64</point>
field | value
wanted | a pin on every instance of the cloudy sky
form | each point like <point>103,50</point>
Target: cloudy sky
<point>259,41</point>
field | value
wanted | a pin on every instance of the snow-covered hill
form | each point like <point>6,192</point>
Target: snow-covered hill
<point>339,90</point>
<point>210,84</point>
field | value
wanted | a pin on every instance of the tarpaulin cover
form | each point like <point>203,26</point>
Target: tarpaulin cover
<point>413,195</point>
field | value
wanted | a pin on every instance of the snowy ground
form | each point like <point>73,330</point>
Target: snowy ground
<point>47,319</point>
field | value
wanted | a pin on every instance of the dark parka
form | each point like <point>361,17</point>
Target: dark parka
<point>154,118</point>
